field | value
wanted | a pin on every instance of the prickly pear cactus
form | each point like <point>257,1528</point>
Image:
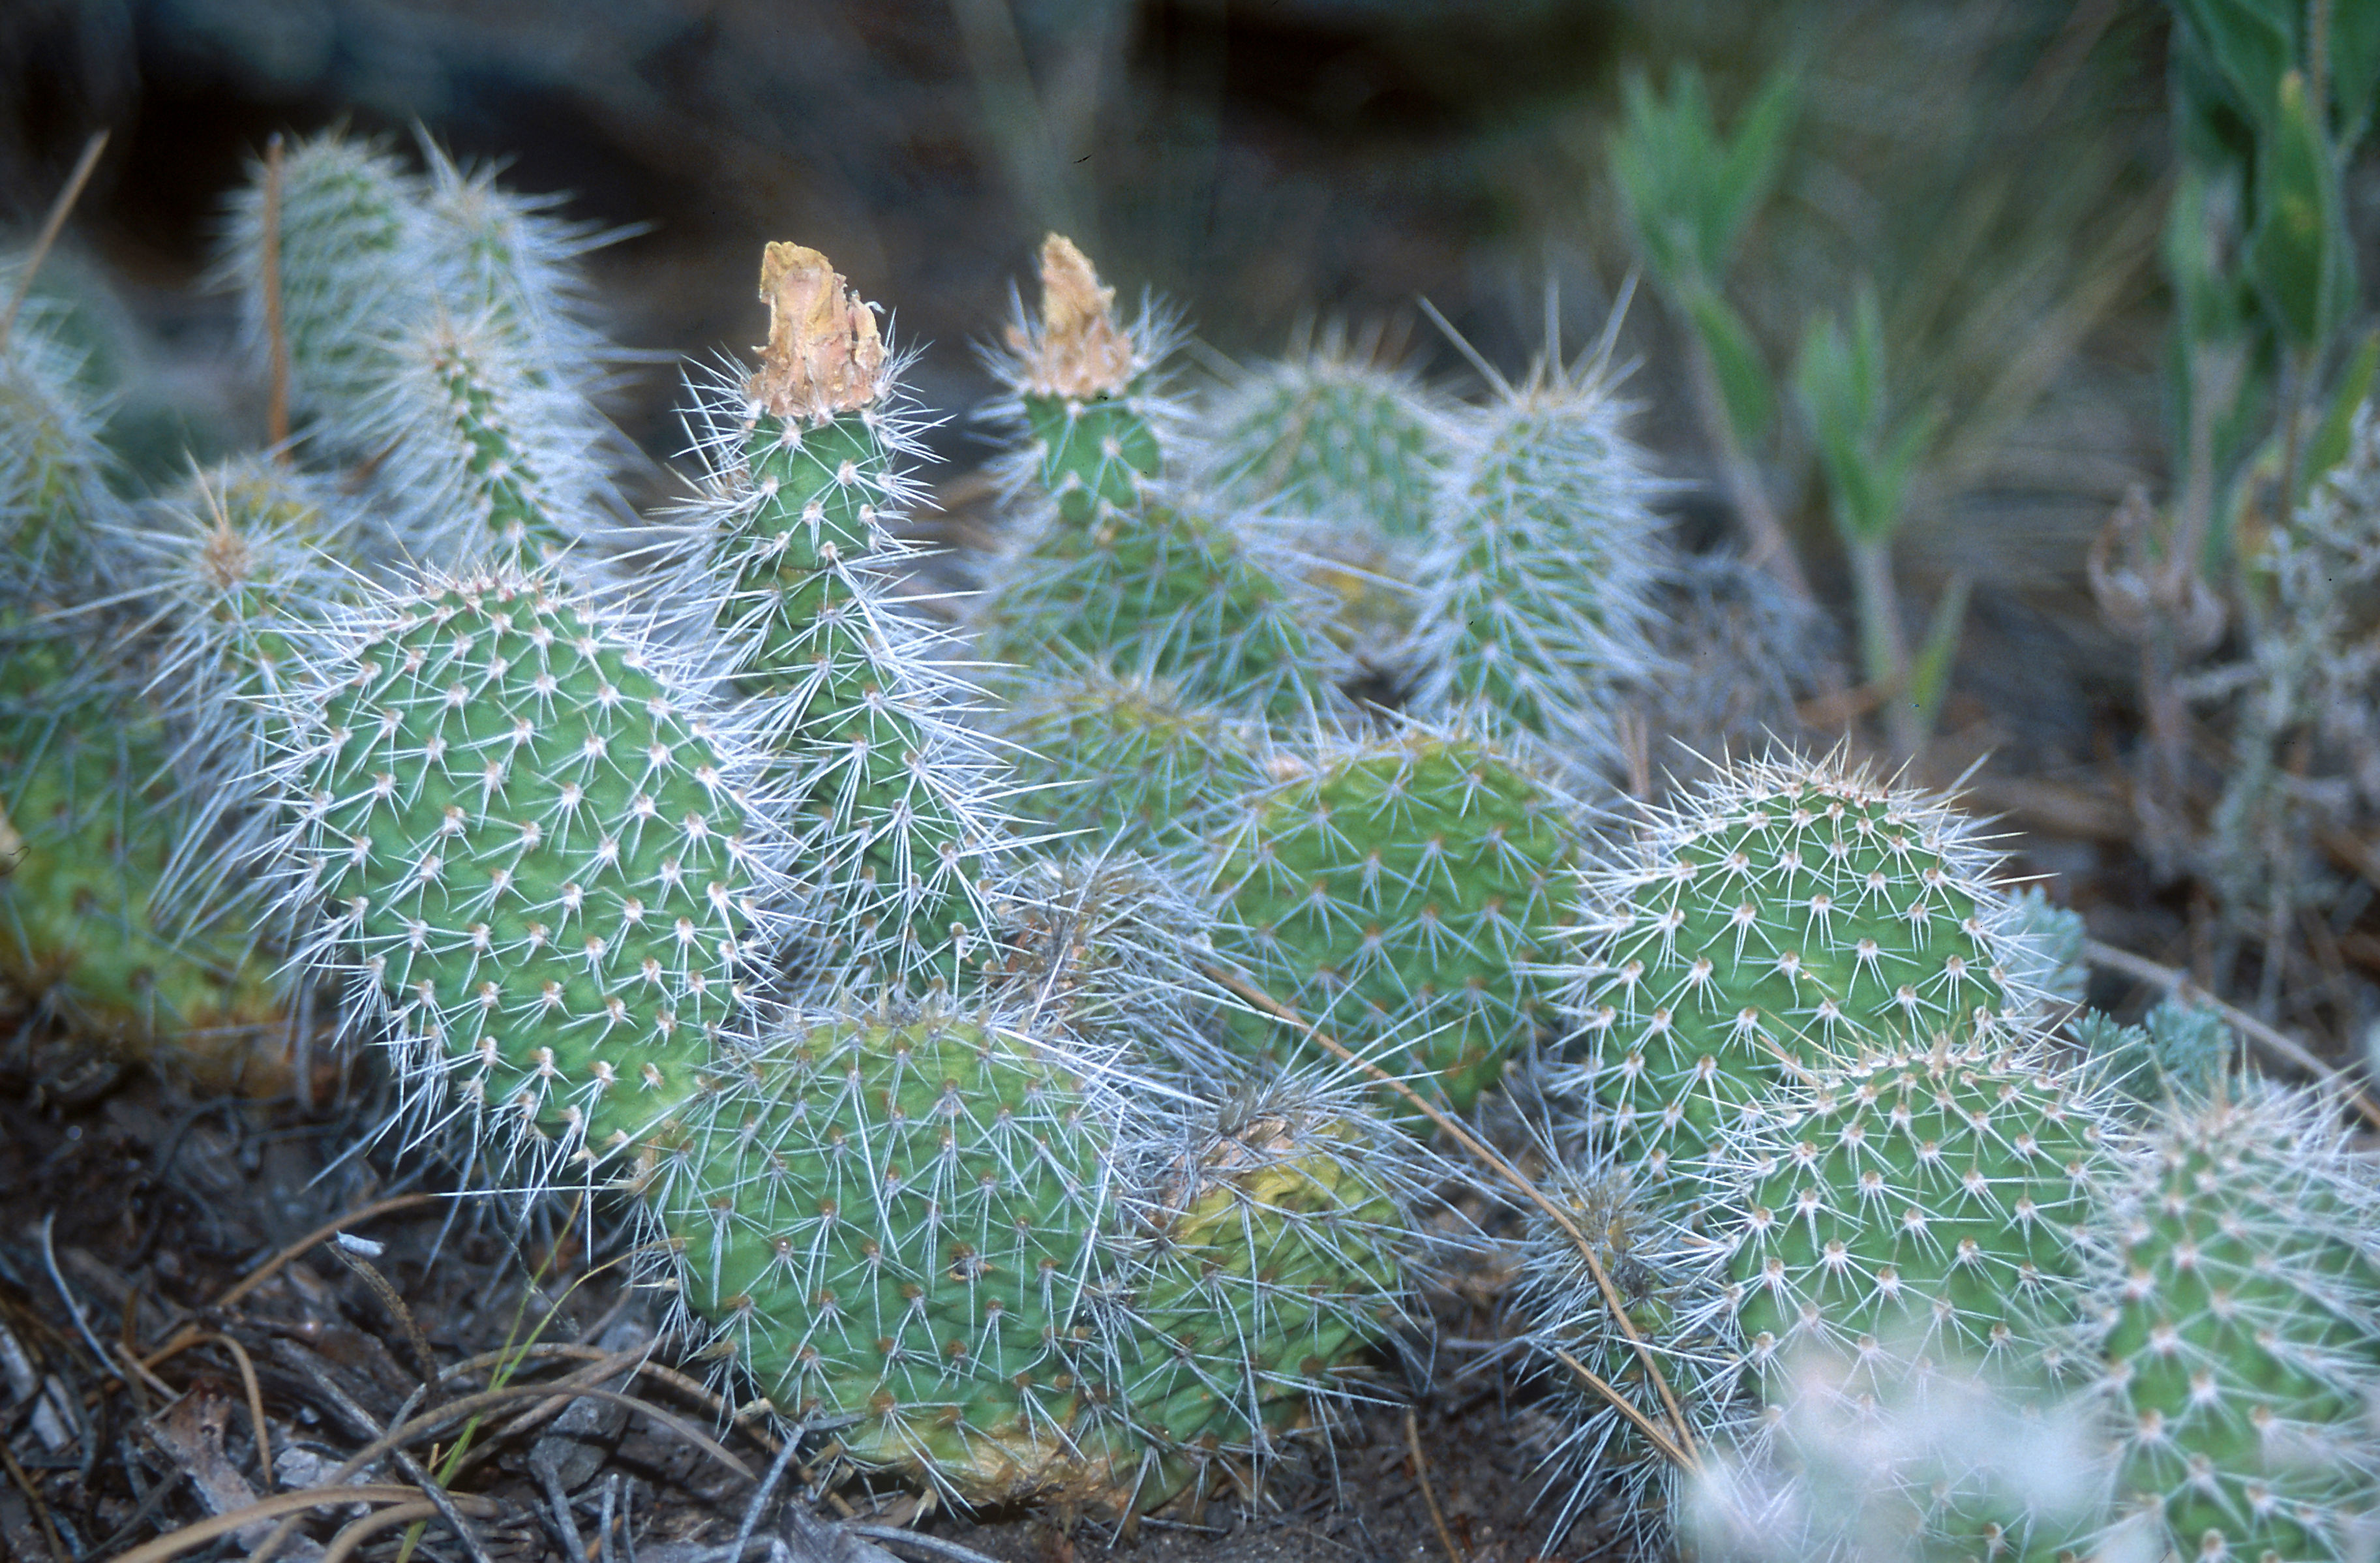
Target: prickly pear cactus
<point>1400,892</point>
<point>1126,761</point>
<point>1787,912</point>
<point>87,790</point>
<point>1918,1211</point>
<point>1538,577</point>
<point>1124,571</point>
<point>346,258</point>
<point>895,1225</point>
<point>2238,1324</point>
<point>795,566</point>
<point>1330,436</point>
<point>530,836</point>
<point>992,1274</point>
<point>1273,1244</point>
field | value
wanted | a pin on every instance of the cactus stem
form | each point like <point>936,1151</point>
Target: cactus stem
<point>1678,1444</point>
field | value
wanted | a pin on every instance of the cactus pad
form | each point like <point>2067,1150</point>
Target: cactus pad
<point>1398,893</point>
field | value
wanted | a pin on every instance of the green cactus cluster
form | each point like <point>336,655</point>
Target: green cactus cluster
<point>691,876</point>
<point>942,1009</point>
<point>1888,1235</point>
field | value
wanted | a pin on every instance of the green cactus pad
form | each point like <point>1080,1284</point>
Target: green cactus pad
<point>1538,586</point>
<point>1923,1205</point>
<point>1904,1232</point>
<point>84,784</point>
<point>1125,761</point>
<point>349,216</point>
<point>1788,912</point>
<point>1400,892</point>
<point>534,841</point>
<point>2239,1331</point>
<point>1347,444</point>
<point>895,1226</point>
<point>1095,458</point>
<point>1275,1247</point>
<point>1170,589</point>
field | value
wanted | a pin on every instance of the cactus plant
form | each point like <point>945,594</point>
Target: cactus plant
<point>1786,911</point>
<point>87,787</point>
<point>983,1266</point>
<point>1125,760</point>
<point>1397,891</point>
<point>1537,577</point>
<point>532,839</point>
<point>1126,569</point>
<point>2236,1307</point>
<point>792,562</point>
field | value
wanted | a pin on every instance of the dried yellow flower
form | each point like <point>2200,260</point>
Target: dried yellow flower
<point>1080,351</point>
<point>823,356</point>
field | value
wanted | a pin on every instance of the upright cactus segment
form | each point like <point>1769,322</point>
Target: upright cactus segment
<point>534,843</point>
<point>1124,571</point>
<point>1399,892</point>
<point>1125,761</point>
<point>86,787</point>
<point>1330,436</point>
<point>1538,578</point>
<point>347,255</point>
<point>792,560</point>
<point>1787,912</point>
<point>2238,1321</point>
<point>433,330</point>
<point>53,467</point>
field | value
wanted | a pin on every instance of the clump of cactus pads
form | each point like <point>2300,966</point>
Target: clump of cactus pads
<point>1786,911</point>
<point>433,331</point>
<point>87,787</point>
<point>1008,1271</point>
<point>2236,1304</point>
<point>1123,570</point>
<point>791,560</point>
<point>535,845</point>
<point>1398,891</point>
<point>1330,436</point>
<point>1539,575</point>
